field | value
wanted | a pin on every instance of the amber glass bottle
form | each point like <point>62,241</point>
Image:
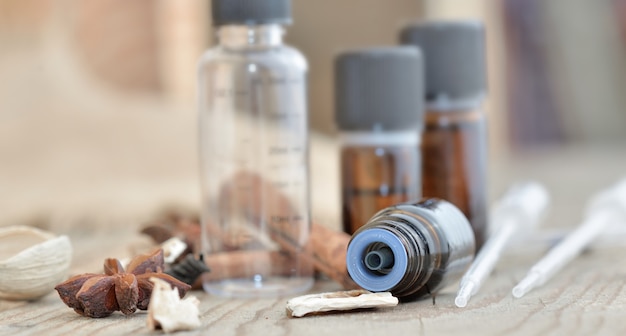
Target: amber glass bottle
<point>411,249</point>
<point>380,120</point>
<point>454,140</point>
<point>375,177</point>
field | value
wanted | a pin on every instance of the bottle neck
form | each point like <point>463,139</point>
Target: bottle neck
<point>244,36</point>
<point>419,252</point>
<point>443,103</point>
<point>384,138</point>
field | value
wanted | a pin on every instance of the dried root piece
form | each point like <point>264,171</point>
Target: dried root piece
<point>173,248</point>
<point>168,312</point>
<point>346,300</point>
<point>189,269</point>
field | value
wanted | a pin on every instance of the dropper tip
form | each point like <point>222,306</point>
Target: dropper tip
<point>460,301</point>
<point>464,294</point>
<point>529,282</point>
<point>518,292</point>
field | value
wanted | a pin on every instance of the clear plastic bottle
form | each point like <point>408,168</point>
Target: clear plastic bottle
<point>454,142</point>
<point>380,117</point>
<point>411,249</point>
<point>254,142</point>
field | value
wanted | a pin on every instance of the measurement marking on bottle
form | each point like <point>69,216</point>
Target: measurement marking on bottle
<point>281,150</point>
<point>278,150</point>
<point>276,81</point>
<point>281,184</point>
<point>286,218</point>
<point>229,93</point>
<point>284,116</point>
<point>287,166</point>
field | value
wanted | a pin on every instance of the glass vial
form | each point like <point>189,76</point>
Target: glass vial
<point>411,249</point>
<point>253,142</point>
<point>454,142</point>
<point>380,117</point>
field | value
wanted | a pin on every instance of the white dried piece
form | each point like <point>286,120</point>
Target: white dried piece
<point>345,300</point>
<point>172,249</point>
<point>168,312</point>
<point>32,262</point>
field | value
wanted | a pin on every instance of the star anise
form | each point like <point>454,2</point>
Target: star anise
<point>99,295</point>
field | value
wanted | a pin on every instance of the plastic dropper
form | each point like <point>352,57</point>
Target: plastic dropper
<point>607,207</point>
<point>522,206</point>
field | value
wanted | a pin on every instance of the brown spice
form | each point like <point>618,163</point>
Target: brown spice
<point>175,224</point>
<point>325,249</point>
<point>99,295</point>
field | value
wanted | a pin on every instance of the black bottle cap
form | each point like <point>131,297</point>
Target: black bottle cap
<point>251,11</point>
<point>454,58</point>
<point>379,89</point>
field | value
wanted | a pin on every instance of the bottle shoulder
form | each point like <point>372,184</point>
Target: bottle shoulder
<point>283,56</point>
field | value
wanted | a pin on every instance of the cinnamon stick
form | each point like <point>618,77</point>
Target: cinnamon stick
<point>325,248</point>
<point>235,264</point>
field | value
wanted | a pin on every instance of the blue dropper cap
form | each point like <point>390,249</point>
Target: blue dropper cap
<point>376,259</point>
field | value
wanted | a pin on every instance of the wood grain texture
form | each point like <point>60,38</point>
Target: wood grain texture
<point>587,297</point>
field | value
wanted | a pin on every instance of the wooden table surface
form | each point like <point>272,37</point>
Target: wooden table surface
<point>586,297</point>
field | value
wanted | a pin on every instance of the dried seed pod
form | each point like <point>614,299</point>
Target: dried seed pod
<point>99,295</point>
<point>32,262</point>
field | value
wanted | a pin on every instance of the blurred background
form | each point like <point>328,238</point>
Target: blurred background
<point>97,97</point>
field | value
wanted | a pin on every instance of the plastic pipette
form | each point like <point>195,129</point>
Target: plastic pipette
<point>521,207</point>
<point>606,208</point>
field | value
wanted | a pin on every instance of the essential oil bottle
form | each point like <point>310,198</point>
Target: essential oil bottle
<point>379,112</point>
<point>411,249</point>
<point>454,142</point>
<point>254,132</point>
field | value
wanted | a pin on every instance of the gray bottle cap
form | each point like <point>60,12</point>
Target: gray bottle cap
<point>251,11</point>
<point>379,89</point>
<point>454,55</point>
